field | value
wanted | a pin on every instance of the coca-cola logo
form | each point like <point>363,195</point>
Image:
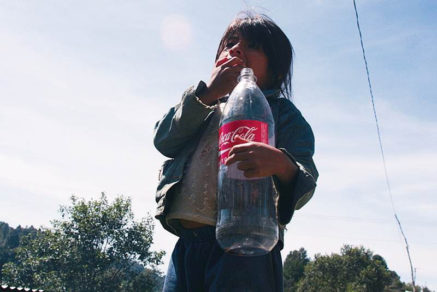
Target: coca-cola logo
<point>249,130</point>
<point>244,132</point>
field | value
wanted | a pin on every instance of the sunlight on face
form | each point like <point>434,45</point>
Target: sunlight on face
<point>176,32</point>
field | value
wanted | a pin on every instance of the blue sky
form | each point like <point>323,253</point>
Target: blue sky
<point>82,84</point>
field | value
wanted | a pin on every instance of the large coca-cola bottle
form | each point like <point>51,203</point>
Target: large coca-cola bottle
<point>247,222</point>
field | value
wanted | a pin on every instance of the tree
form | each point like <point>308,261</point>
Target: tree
<point>96,246</point>
<point>325,273</point>
<point>355,269</point>
<point>366,272</point>
<point>396,283</point>
<point>294,266</point>
<point>409,287</point>
<point>148,280</point>
<point>9,240</point>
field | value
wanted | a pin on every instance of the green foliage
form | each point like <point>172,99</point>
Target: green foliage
<point>325,273</point>
<point>366,272</point>
<point>409,287</point>
<point>354,269</point>
<point>147,281</point>
<point>396,283</point>
<point>96,246</point>
<point>9,240</point>
<point>294,267</point>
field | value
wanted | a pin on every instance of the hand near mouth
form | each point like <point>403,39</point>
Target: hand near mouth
<point>223,79</point>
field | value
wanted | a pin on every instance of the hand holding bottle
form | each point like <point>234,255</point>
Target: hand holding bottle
<point>260,160</point>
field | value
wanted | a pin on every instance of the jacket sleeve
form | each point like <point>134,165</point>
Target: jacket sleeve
<point>181,123</point>
<point>295,138</point>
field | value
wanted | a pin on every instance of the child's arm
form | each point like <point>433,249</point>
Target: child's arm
<point>296,139</point>
<point>181,123</point>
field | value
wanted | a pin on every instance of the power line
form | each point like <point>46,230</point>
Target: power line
<point>382,150</point>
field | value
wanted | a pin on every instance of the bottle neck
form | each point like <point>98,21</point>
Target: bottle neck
<point>247,75</point>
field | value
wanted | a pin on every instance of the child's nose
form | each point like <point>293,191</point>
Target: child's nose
<point>236,50</point>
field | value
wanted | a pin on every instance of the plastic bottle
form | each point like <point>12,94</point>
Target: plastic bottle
<point>247,221</point>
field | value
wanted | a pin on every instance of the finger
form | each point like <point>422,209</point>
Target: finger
<point>251,173</point>
<point>234,70</point>
<point>240,139</point>
<point>237,157</point>
<point>233,62</point>
<point>221,61</point>
<point>240,148</point>
<point>242,145</point>
<point>246,165</point>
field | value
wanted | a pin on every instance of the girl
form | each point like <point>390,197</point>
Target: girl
<point>188,134</point>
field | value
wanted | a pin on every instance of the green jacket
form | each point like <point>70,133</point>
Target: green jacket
<point>177,134</point>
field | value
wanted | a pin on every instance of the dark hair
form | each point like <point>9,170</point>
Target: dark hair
<point>263,32</point>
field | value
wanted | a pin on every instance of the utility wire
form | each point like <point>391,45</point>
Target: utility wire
<point>382,150</point>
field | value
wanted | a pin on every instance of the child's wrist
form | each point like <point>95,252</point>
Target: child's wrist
<point>207,96</point>
<point>288,169</point>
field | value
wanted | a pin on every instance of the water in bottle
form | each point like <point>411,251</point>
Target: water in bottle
<point>247,221</point>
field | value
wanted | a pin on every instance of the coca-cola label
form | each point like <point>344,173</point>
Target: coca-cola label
<point>250,130</point>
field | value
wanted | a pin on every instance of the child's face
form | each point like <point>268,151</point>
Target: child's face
<point>252,57</point>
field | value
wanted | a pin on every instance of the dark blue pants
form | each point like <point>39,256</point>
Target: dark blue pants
<point>199,264</point>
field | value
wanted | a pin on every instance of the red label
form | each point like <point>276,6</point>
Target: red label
<point>250,130</point>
